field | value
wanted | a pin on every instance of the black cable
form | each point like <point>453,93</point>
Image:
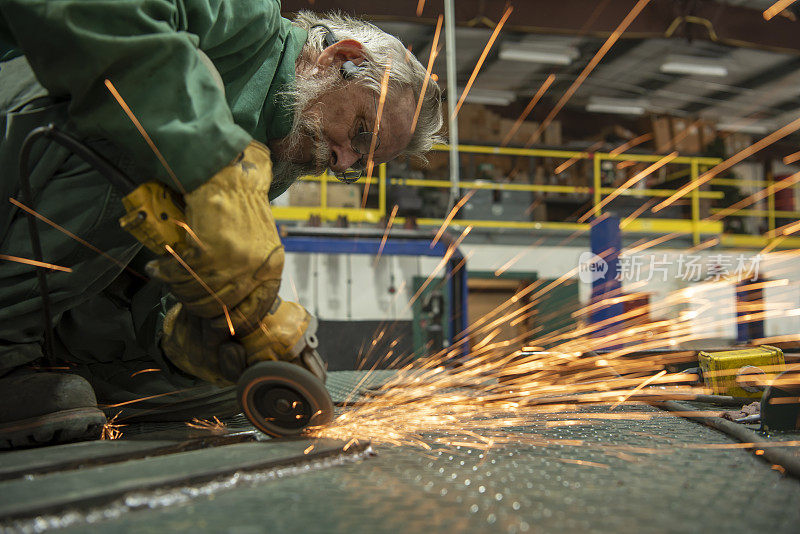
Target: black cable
<point>100,164</point>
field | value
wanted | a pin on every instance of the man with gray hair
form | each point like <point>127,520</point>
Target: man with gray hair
<point>236,103</point>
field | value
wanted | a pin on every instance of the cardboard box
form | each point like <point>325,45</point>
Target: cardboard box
<point>687,136</point>
<point>344,195</point>
<point>552,134</point>
<point>662,134</point>
<point>305,194</point>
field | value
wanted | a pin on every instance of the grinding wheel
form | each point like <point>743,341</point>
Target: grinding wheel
<point>283,399</point>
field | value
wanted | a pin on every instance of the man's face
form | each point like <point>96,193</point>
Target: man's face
<point>330,120</point>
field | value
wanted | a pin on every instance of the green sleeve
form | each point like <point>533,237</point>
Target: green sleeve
<point>148,50</point>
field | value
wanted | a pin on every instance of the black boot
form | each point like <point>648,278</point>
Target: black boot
<point>47,408</point>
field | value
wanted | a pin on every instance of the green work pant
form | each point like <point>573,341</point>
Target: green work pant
<point>98,314</point>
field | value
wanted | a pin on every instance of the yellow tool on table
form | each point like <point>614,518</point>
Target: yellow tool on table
<point>280,397</point>
<point>741,372</point>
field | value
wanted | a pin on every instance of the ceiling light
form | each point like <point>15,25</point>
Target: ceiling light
<point>742,127</point>
<point>490,97</point>
<point>694,66</point>
<point>616,105</point>
<point>539,53</point>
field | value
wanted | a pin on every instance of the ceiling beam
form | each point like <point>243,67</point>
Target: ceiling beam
<point>702,19</point>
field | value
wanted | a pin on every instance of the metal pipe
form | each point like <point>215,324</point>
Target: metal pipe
<point>452,95</point>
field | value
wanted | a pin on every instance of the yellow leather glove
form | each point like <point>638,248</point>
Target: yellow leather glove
<point>196,347</point>
<point>288,332</point>
<point>235,249</point>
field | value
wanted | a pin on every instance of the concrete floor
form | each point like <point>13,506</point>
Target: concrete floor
<point>603,486</point>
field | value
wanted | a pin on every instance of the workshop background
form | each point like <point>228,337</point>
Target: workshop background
<point>618,192</point>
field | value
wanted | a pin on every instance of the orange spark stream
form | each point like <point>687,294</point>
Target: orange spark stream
<point>755,197</point>
<point>791,158</point>
<point>144,133</point>
<point>205,286</point>
<point>375,129</point>
<point>571,161</point>
<point>450,250</point>
<point>776,8</point>
<point>615,35</point>
<point>35,263</point>
<point>152,370</point>
<point>524,115</point>
<point>778,134</point>
<point>628,183</point>
<point>66,232</point>
<point>385,235</point>
<point>420,7</point>
<point>630,144</point>
<point>633,216</point>
<point>450,216</point>
<point>431,59</point>
<point>481,59</point>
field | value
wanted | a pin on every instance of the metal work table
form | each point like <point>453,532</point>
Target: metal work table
<point>605,485</point>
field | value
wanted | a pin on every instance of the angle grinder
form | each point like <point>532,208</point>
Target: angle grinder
<point>280,398</point>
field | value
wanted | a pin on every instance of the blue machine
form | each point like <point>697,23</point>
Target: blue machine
<point>400,242</point>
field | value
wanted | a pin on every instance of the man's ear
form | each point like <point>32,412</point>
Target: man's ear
<point>337,53</point>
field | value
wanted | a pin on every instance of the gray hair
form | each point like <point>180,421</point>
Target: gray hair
<point>381,49</point>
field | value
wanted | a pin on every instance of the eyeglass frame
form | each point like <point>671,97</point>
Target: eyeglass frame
<point>351,175</point>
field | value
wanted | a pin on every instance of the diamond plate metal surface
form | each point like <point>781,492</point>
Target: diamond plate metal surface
<point>612,488</point>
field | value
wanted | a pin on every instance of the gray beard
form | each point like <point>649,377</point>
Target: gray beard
<point>284,174</point>
<point>306,125</point>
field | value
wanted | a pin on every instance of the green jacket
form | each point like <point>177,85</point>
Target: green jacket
<point>148,50</point>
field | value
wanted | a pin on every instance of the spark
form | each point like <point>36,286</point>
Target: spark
<point>373,144</point>
<point>153,370</point>
<point>385,235</point>
<point>628,183</point>
<point>583,462</point>
<point>431,58</point>
<point>69,234</point>
<point>191,233</point>
<point>524,115</point>
<point>633,216</point>
<point>35,263</point>
<point>714,241</point>
<point>142,399</point>
<point>144,134</point>
<point>309,449</point>
<point>420,7</point>
<point>637,388</point>
<point>792,228</point>
<point>791,158</point>
<point>615,35</point>
<point>672,143</point>
<point>214,425</point>
<point>205,286</point>
<point>630,144</point>
<point>294,290</point>
<point>752,199</point>
<point>450,216</point>
<point>503,268</point>
<point>450,250</point>
<point>481,59</point>
<point>497,395</point>
<point>778,134</point>
<point>776,8</point>
<point>571,161</point>
<point>112,429</point>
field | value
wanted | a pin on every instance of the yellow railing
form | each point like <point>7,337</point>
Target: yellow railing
<point>695,226</point>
